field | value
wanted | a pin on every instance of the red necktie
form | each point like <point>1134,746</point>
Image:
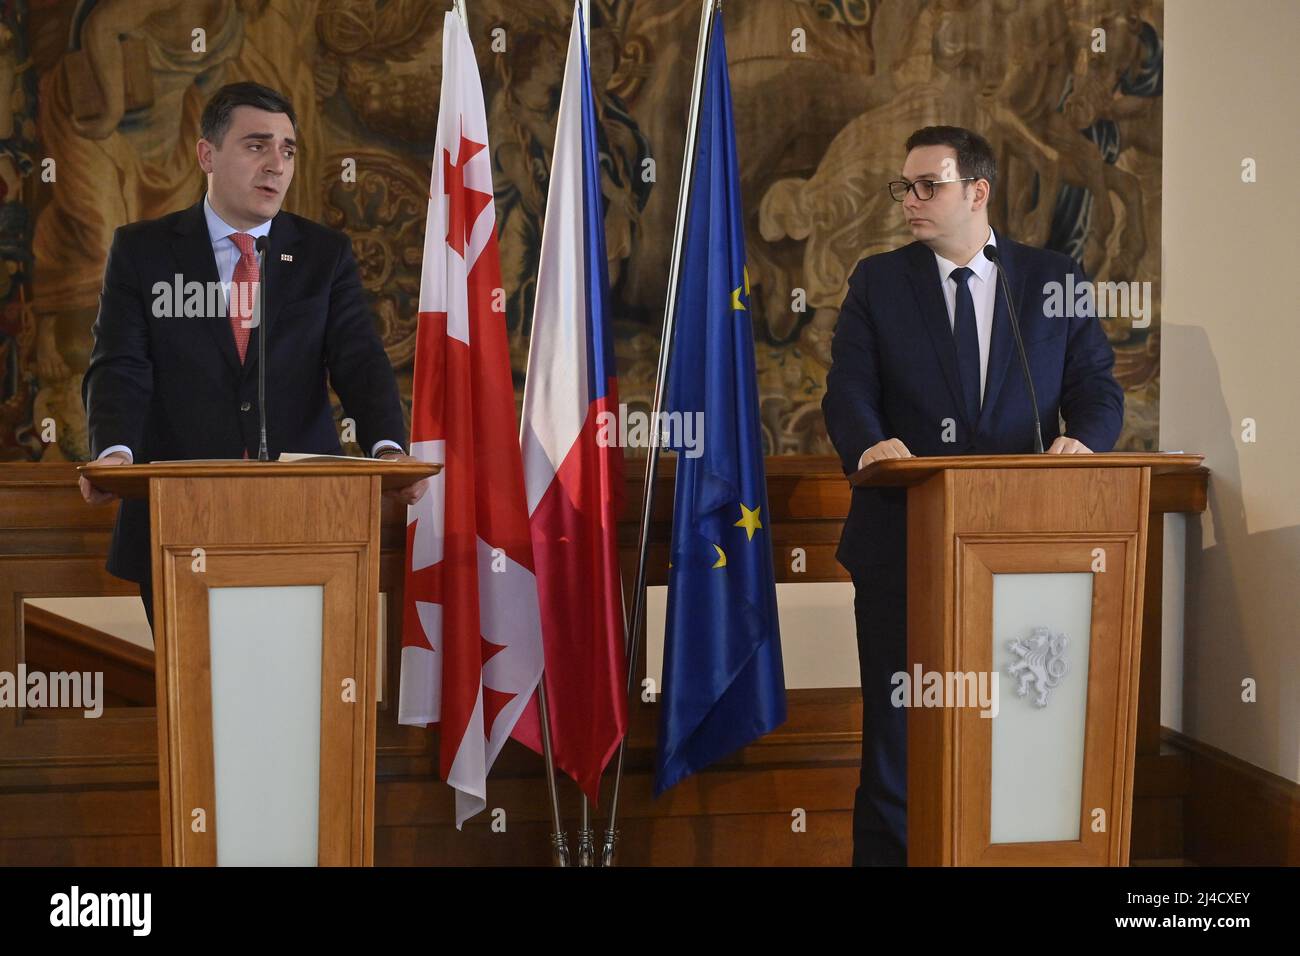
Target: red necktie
<point>243,292</point>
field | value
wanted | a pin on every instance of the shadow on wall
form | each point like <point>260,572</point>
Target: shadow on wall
<point>1242,595</point>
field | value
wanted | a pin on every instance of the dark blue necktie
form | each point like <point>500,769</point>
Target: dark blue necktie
<point>967,338</point>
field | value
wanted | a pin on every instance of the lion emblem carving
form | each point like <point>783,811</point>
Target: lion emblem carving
<point>1041,664</point>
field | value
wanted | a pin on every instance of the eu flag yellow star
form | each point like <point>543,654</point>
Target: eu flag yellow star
<point>736,304</point>
<point>749,520</point>
<point>722,558</point>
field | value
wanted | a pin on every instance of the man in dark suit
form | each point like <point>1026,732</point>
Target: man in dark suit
<point>173,372</point>
<point>923,363</point>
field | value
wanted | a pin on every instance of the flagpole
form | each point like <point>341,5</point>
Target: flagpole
<point>559,839</point>
<point>637,621</point>
<point>586,835</point>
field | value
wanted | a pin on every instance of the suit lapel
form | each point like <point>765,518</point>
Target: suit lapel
<point>923,273</point>
<point>196,263</point>
<point>277,273</point>
<point>1002,344</point>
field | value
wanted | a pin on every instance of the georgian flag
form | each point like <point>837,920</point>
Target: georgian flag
<point>471,638</point>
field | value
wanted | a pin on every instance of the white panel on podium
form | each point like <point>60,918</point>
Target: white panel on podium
<point>265,648</point>
<point>1038,739</point>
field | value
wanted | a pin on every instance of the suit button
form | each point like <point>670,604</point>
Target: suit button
<point>245,406</point>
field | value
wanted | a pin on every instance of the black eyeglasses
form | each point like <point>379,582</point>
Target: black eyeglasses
<point>924,188</point>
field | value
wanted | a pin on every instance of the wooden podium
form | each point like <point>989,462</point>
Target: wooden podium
<point>266,583</point>
<point>1030,568</point>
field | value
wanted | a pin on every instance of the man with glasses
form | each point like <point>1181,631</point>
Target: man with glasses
<point>923,363</point>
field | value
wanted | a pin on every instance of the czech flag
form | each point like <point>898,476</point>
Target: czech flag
<point>573,474</point>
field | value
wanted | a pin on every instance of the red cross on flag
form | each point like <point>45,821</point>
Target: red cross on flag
<point>471,633</point>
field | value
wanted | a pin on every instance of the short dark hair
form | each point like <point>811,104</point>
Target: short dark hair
<point>216,115</point>
<point>974,154</point>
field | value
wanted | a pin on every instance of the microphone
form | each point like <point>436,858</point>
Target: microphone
<point>991,253</point>
<point>260,244</point>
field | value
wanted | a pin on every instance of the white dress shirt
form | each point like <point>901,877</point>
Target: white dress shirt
<point>227,255</point>
<point>983,287</point>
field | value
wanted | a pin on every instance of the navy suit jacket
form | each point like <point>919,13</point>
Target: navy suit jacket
<point>894,375</point>
<point>173,388</point>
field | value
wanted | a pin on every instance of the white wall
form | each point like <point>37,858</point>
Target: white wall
<point>1230,347</point>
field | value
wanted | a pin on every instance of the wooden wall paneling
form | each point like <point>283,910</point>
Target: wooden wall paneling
<point>125,732</point>
<point>52,642</point>
<point>1237,814</point>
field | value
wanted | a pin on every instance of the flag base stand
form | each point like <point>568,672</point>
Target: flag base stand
<point>610,849</point>
<point>586,847</point>
<point>559,849</point>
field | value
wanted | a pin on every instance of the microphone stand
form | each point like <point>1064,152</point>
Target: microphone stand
<point>991,253</point>
<point>260,244</point>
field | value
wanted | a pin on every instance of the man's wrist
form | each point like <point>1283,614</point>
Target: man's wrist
<point>117,450</point>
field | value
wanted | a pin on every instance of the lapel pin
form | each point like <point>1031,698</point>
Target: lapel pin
<point>285,257</point>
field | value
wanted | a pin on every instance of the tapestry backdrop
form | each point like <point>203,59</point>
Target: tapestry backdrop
<point>100,103</point>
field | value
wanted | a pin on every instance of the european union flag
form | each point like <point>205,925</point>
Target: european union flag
<point>723,684</point>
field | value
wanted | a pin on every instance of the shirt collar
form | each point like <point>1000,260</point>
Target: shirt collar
<point>981,266</point>
<point>219,229</point>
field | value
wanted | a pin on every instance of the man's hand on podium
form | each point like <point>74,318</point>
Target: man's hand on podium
<point>889,448</point>
<point>1068,446</point>
<point>411,493</point>
<point>92,494</point>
